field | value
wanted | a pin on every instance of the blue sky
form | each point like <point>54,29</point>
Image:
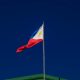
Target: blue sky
<point>19,19</point>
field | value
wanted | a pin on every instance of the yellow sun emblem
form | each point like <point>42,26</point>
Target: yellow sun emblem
<point>39,33</point>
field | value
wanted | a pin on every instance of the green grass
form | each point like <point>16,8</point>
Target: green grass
<point>36,77</point>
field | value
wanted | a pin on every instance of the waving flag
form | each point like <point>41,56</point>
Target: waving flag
<point>35,39</point>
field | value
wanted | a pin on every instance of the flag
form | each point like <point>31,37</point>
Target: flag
<point>35,39</point>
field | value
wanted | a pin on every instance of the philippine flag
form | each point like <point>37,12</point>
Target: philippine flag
<point>36,38</point>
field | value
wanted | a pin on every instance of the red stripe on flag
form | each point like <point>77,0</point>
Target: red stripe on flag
<point>33,42</point>
<point>30,44</point>
<point>20,49</point>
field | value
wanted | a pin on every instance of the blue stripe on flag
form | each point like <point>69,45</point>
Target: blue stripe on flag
<point>34,33</point>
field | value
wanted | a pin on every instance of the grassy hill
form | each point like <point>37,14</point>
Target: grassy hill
<point>36,77</point>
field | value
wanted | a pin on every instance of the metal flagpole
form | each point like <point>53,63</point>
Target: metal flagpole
<point>43,55</point>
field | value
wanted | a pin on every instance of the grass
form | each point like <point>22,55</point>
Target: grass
<point>37,77</point>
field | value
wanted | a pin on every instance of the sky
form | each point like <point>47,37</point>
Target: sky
<point>20,18</point>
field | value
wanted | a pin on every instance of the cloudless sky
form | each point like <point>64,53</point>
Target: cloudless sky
<point>20,18</point>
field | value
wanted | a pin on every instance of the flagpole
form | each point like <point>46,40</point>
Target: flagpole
<point>44,72</point>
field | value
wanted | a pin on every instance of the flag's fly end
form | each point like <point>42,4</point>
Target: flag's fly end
<point>20,49</point>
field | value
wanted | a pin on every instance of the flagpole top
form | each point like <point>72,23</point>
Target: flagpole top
<point>43,22</point>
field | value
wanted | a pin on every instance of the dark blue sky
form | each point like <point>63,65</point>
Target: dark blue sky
<point>19,19</point>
